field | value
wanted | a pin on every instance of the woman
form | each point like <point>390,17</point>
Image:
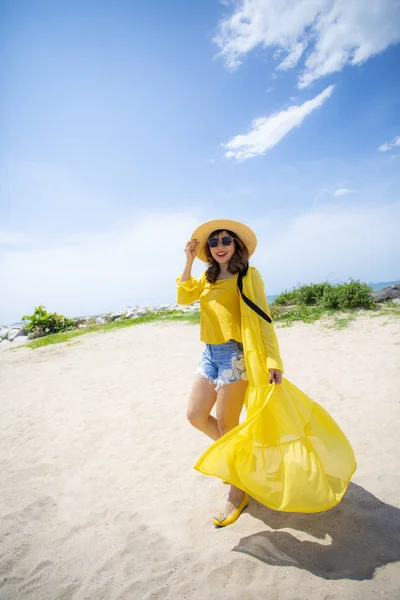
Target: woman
<point>221,378</point>
<point>289,453</point>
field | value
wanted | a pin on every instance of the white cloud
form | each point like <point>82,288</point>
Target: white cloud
<point>266,132</point>
<point>335,33</point>
<point>292,58</point>
<point>389,145</point>
<point>14,237</point>
<point>342,192</point>
<point>331,242</point>
<point>138,264</point>
<point>91,273</point>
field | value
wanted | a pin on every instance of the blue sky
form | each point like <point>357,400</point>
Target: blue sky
<point>125,124</point>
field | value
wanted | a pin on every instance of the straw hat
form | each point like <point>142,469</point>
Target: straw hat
<point>203,232</point>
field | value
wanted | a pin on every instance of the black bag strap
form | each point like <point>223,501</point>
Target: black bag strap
<point>247,300</point>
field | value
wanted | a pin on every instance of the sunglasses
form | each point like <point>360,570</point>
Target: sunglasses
<point>226,241</point>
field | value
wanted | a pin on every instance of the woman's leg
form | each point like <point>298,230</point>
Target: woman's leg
<point>229,406</point>
<point>201,401</point>
<point>230,398</point>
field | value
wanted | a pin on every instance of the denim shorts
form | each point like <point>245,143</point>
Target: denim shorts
<point>223,363</point>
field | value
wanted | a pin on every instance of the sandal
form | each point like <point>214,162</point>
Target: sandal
<point>221,520</point>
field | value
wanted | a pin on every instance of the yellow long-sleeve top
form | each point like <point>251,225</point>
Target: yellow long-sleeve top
<point>220,312</point>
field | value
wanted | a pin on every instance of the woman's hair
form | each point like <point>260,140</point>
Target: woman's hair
<point>238,262</point>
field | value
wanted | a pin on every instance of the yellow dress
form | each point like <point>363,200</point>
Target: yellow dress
<point>219,308</point>
<point>220,312</point>
<point>289,453</point>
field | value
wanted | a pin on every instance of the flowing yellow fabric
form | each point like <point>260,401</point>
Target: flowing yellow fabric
<point>289,454</point>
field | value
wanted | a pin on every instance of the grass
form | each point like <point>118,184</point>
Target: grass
<point>342,321</point>
<point>388,308</point>
<point>337,318</point>
<point>307,314</point>
<point>285,316</point>
<point>66,336</point>
<point>310,314</point>
<point>340,304</point>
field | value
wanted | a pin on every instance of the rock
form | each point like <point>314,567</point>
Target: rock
<point>14,333</point>
<point>131,314</point>
<point>21,339</point>
<point>115,316</point>
<point>189,309</point>
<point>100,321</point>
<point>388,293</point>
<point>396,300</point>
<point>4,331</point>
<point>4,343</point>
<point>37,333</point>
<point>164,307</point>
<point>82,321</point>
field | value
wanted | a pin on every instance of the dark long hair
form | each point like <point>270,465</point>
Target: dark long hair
<point>238,262</point>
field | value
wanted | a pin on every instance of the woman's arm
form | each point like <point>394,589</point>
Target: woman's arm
<point>189,289</point>
<point>274,360</point>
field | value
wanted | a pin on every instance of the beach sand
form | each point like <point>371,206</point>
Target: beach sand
<point>99,499</point>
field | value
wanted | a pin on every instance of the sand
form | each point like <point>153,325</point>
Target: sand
<point>99,499</point>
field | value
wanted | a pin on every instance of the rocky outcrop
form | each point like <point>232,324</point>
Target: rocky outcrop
<point>388,293</point>
<point>17,334</point>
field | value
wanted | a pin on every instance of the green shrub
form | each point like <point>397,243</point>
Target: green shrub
<point>330,299</point>
<point>312,294</point>
<point>354,294</point>
<point>43,322</point>
<point>287,297</point>
<point>308,295</point>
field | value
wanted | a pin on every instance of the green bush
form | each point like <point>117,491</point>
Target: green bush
<point>43,322</point>
<point>312,294</point>
<point>352,294</point>
<point>309,295</point>
<point>330,299</point>
<point>287,297</point>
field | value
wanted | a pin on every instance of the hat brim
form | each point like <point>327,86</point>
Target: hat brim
<point>202,233</point>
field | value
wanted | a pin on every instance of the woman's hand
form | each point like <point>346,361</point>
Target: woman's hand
<point>275,376</point>
<point>191,249</point>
